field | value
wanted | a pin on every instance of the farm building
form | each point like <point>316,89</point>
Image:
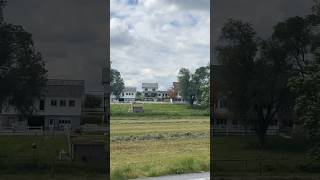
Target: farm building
<point>59,108</point>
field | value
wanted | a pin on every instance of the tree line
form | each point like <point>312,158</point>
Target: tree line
<point>271,76</point>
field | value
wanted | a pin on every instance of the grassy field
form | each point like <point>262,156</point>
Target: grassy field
<point>165,139</point>
<point>175,139</point>
<point>19,159</point>
<point>279,157</point>
<point>156,110</point>
<point>170,142</point>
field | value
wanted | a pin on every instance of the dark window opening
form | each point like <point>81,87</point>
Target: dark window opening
<point>42,103</point>
<point>63,103</point>
<point>53,102</point>
<point>72,103</point>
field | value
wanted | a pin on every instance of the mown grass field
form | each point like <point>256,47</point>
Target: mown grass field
<point>155,145</point>
<point>176,140</point>
<point>18,160</point>
<point>156,110</point>
<point>165,139</point>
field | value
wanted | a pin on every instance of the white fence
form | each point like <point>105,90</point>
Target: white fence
<point>227,130</point>
<point>29,130</point>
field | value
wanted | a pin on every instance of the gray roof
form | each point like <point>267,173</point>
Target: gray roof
<point>129,89</point>
<point>150,85</point>
<point>64,88</point>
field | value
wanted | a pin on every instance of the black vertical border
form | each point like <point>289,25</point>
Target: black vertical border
<point>211,93</point>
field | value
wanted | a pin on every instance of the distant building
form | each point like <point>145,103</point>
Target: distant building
<point>149,91</point>
<point>162,95</point>
<point>59,108</point>
<point>176,91</point>
<point>128,94</point>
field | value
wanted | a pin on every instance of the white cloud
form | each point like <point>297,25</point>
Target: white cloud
<point>152,40</point>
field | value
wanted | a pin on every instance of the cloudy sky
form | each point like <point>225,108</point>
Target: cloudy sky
<point>262,14</point>
<point>70,34</point>
<point>152,39</point>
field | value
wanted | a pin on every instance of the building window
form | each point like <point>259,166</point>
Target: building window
<point>235,122</point>
<point>72,103</point>
<point>154,89</point>
<point>146,89</point>
<point>51,122</point>
<point>63,103</point>
<point>64,122</point>
<point>53,102</point>
<point>223,103</point>
<point>42,104</point>
<point>221,122</point>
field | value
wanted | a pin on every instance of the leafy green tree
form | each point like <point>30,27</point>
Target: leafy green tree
<point>194,86</point>
<point>294,36</point>
<point>117,83</point>
<point>307,103</point>
<point>205,94</point>
<point>236,50</point>
<point>22,70</point>
<point>139,96</point>
<point>185,85</point>
<point>257,81</point>
<point>200,81</point>
<point>268,88</point>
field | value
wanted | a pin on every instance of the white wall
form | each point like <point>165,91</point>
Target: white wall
<point>52,110</point>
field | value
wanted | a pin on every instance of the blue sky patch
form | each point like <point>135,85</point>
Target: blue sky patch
<point>133,2</point>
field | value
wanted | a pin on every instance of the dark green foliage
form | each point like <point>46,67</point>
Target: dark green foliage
<point>22,69</point>
<point>117,83</point>
<point>194,86</point>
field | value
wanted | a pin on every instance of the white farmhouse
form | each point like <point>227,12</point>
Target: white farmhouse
<point>150,91</point>
<point>129,94</point>
<point>59,108</point>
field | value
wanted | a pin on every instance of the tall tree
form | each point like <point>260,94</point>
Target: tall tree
<point>117,83</point>
<point>257,88</point>
<point>22,70</point>
<point>193,86</point>
<point>294,35</point>
<point>200,81</point>
<point>185,85</point>
<point>306,88</point>
<point>237,50</point>
<point>268,88</point>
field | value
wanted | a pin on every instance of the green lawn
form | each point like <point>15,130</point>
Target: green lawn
<point>175,139</point>
<point>164,139</point>
<point>169,142</point>
<point>169,110</point>
<point>17,158</point>
<point>279,157</point>
<point>154,158</point>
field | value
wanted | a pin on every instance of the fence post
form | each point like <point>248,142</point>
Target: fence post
<point>260,167</point>
<point>246,165</point>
